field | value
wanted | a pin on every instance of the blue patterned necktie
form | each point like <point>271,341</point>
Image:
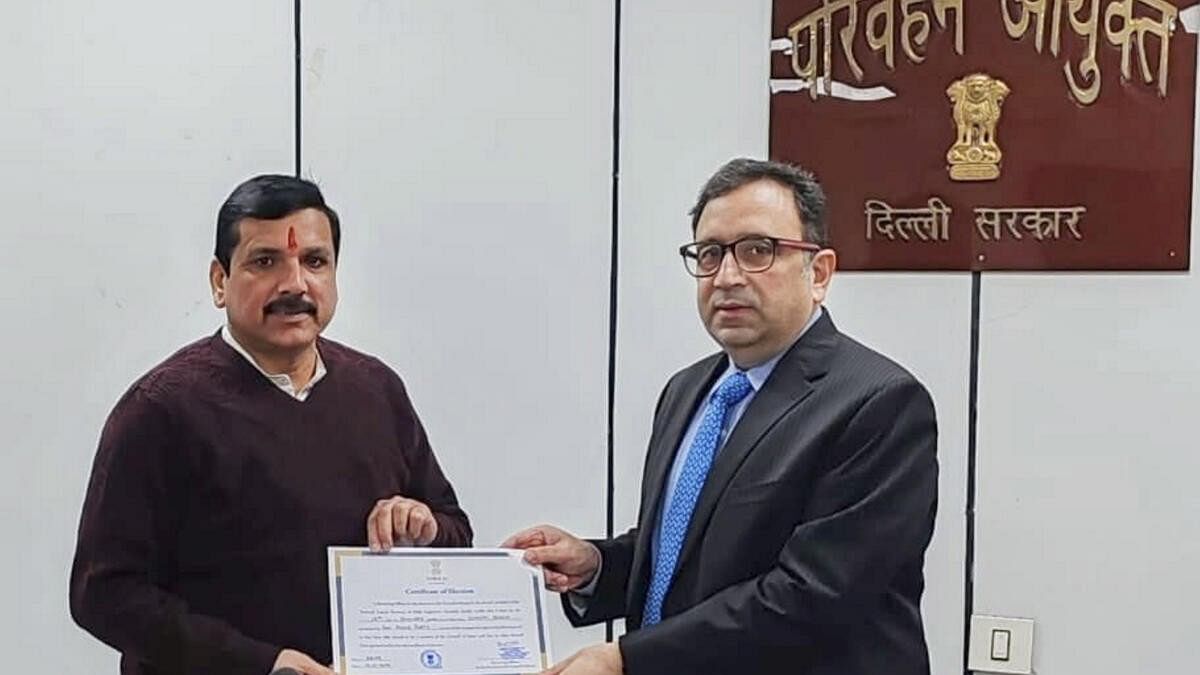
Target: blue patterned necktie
<point>687,490</point>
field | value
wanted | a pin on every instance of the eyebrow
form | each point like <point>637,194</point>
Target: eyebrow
<point>751,235</point>
<point>274,251</point>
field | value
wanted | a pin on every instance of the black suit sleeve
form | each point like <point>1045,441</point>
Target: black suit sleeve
<point>870,512</point>
<point>607,602</point>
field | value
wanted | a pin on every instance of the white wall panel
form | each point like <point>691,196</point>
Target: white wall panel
<point>693,95</point>
<point>468,147</point>
<point>1088,520</point>
<point>124,126</point>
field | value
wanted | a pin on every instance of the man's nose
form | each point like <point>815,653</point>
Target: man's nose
<point>293,279</point>
<point>729,273</point>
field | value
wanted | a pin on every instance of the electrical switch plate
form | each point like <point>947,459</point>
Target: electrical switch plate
<point>1001,645</point>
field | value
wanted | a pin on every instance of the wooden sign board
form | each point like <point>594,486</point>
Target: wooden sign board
<point>992,134</point>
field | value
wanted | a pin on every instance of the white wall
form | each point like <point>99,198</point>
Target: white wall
<point>124,125</point>
<point>468,146</point>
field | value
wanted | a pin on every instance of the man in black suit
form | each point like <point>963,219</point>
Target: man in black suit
<point>790,485</point>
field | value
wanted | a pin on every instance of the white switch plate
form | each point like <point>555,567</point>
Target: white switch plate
<point>1020,645</point>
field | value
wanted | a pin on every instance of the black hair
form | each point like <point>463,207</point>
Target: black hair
<point>269,197</point>
<point>810,198</point>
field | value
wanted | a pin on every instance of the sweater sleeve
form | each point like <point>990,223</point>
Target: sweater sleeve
<point>427,482</point>
<point>124,556</point>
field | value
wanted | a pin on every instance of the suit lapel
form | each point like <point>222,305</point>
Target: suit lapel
<point>788,385</point>
<point>664,444</point>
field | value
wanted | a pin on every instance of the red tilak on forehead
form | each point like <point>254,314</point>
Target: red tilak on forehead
<point>291,238</point>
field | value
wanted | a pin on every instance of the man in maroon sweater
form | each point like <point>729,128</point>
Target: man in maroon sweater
<point>224,473</point>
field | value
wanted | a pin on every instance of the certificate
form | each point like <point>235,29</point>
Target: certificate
<point>448,611</point>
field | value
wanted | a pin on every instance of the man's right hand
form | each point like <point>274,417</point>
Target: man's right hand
<point>569,561</point>
<point>290,658</point>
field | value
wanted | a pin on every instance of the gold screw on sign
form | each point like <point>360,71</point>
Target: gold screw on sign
<point>975,154</point>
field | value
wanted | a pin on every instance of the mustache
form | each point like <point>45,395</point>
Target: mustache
<point>290,304</point>
<point>718,300</point>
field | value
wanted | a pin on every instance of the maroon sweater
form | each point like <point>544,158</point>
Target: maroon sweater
<point>214,494</point>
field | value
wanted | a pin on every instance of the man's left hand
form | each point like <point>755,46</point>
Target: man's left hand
<point>400,521</point>
<point>602,659</point>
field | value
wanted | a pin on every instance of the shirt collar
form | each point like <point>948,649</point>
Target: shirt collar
<point>281,380</point>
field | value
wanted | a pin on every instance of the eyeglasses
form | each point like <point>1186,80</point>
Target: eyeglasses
<point>752,254</point>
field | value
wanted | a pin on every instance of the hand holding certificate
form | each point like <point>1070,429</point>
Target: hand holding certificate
<point>448,611</point>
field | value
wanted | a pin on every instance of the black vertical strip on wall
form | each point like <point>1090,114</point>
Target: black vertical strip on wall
<point>612,278</point>
<point>972,428</point>
<point>296,83</point>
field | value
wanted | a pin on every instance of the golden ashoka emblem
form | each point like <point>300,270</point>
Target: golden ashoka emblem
<point>975,154</point>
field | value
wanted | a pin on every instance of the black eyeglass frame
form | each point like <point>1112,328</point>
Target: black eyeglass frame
<point>691,251</point>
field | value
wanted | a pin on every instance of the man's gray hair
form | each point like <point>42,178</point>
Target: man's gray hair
<point>810,198</point>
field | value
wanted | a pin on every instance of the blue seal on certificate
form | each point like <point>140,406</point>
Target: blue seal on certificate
<point>431,659</point>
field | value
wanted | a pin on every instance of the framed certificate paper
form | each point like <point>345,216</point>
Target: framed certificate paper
<point>446,611</point>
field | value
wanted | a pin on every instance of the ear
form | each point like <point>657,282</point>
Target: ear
<point>216,279</point>
<point>824,264</point>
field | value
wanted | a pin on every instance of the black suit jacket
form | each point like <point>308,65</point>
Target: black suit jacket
<point>806,547</point>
